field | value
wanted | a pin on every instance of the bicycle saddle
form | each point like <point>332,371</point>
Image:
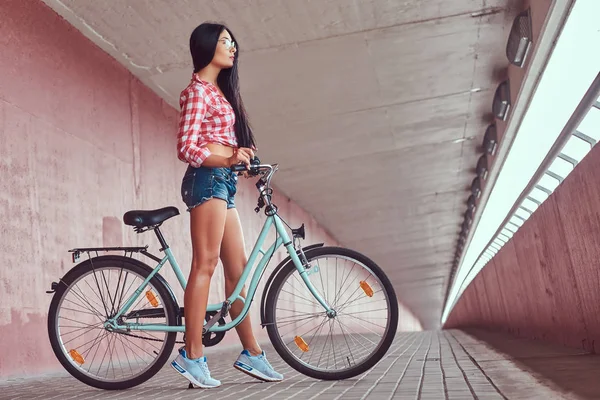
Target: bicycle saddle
<point>143,218</point>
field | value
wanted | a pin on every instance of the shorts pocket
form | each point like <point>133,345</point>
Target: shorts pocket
<point>187,188</point>
<point>221,175</point>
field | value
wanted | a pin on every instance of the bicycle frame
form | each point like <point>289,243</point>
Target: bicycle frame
<point>282,238</point>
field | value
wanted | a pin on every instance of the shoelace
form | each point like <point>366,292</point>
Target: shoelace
<point>262,357</point>
<point>204,367</point>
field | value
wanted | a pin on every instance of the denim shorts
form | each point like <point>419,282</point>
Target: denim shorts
<point>202,184</point>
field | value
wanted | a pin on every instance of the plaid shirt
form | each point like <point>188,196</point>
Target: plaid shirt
<point>206,117</point>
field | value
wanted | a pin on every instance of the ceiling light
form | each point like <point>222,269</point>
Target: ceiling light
<point>519,39</point>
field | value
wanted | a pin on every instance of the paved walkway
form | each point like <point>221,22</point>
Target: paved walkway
<point>421,365</point>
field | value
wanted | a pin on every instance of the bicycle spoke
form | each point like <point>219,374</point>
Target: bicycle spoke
<point>346,340</point>
<point>359,334</point>
<point>108,356</point>
<point>353,293</point>
<point>335,287</point>
<point>332,342</point>
<point>294,311</point>
<point>79,311</point>
<point>110,360</point>
<point>304,298</point>
<point>112,303</point>
<point>325,320</point>
<point>122,292</point>
<point>102,333</point>
<point>365,311</point>
<point>127,292</point>
<point>150,354</point>
<point>88,309</point>
<point>77,337</point>
<point>99,338</point>
<point>73,320</point>
<point>345,305</point>
<point>294,322</point>
<point>313,336</point>
<point>302,284</point>
<point>82,296</point>
<point>324,344</point>
<point>120,338</point>
<point>342,286</point>
<point>333,346</point>
<point>300,317</point>
<point>113,308</point>
<point>114,347</point>
<point>323,286</point>
<point>142,298</point>
<point>126,337</point>
<point>100,290</point>
<point>148,334</point>
<point>93,291</point>
<point>103,357</point>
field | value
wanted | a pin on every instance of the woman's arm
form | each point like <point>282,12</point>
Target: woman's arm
<point>190,148</point>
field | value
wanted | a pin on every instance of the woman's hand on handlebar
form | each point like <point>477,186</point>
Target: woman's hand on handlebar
<point>243,155</point>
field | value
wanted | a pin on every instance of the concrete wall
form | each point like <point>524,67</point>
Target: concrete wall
<point>544,283</point>
<point>81,142</point>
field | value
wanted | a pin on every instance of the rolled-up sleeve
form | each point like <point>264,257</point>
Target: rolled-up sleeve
<point>190,146</point>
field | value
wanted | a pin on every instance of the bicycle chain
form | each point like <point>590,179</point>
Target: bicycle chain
<point>147,338</point>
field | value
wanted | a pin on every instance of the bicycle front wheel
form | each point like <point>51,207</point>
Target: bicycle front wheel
<point>337,346</point>
<point>89,295</point>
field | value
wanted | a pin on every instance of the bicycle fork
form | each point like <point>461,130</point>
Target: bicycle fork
<point>302,266</point>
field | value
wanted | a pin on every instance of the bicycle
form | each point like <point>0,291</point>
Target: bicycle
<point>109,320</point>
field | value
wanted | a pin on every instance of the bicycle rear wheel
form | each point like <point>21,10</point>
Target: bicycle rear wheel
<point>342,346</point>
<point>93,292</point>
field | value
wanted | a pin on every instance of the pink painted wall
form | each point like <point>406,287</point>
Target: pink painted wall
<point>545,282</point>
<point>81,142</point>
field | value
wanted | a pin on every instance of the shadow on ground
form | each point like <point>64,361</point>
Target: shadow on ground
<point>566,369</point>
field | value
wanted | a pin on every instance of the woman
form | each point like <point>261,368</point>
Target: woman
<point>214,135</point>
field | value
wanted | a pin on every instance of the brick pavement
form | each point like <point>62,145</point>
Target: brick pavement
<point>419,365</point>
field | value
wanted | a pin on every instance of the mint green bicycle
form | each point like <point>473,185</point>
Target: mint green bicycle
<point>113,320</point>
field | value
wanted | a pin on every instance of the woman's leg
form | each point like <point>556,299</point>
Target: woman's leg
<point>233,256</point>
<point>207,226</point>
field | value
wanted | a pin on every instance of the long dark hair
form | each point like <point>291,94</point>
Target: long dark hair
<point>203,44</point>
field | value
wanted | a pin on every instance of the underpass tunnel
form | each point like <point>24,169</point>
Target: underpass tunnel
<point>454,144</point>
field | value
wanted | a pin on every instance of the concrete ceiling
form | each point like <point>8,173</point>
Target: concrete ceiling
<point>373,109</point>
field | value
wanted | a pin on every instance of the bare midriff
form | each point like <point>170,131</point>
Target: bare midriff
<point>220,150</point>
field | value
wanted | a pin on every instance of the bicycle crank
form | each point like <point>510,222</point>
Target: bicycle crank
<point>213,338</point>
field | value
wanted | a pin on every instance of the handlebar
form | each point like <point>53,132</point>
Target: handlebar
<point>263,185</point>
<point>242,167</point>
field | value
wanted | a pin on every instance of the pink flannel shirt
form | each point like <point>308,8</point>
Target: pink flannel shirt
<point>206,117</point>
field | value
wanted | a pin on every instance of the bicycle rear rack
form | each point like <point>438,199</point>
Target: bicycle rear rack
<point>127,250</point>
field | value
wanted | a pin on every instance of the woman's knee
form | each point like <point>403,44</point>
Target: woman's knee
<point>205,265</point>
<point>233,273</point>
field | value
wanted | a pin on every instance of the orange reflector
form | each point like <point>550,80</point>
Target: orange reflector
<point>301,344</point>
<point>152,298</point>
<point>76,357</point>
<point>366,288</point>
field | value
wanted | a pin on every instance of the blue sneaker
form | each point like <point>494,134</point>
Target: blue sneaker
<point>196,371</point>
<point>257,366</point>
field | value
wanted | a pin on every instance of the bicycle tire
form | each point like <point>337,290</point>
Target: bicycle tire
<point>369,362</point>
<point>131,265</point>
